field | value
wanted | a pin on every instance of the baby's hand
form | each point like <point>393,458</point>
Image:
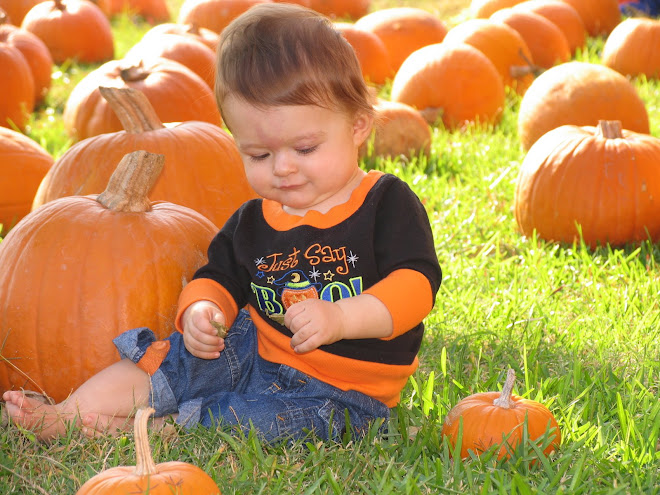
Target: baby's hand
<point>200,336</point>
<point>314,323</point>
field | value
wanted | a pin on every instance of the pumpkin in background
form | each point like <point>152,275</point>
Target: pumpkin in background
<point>351,9</point>
<point>454,82</point>
<point>186,50</point>
<point>483,9</point>
<point>633,48</point>
<point>80,270</point>
<point>203,168</point>
<point>165,478</point>
<point>403,30</point>
<point>599,16</point>
<point>370,51</point>
<point>213,14</point>
<point>602,178</point>
<point>503,46</point>
<point>545,40</point>
<point>562,15</point>
<point>579,93</point>
<point>399,130</point>
<point>206,36</point>
<point>23,164</point>
<point>72,29</point>
<point>36,55</point>
<point>499,418</point>
<point>16,90</point>
<point>152,10</point>
<point>16,9</point>
<point>176,93</point>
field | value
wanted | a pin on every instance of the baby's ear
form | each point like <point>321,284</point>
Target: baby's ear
<point>362,125</point>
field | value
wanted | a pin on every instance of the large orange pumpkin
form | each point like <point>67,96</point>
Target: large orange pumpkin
<point>633,48</point>
<point>370,51</point>
<point>16,87</point>
<point>352,9</point>
<point>599,16</point>
<point>203,168</point>
<point>454,82</point>
<point>176,93</point>
<point>213,14</point>
<point>23,164</point>
<point>599,181</point>
<point>147,477</point>
<point>36,54</point>
<point>546,42</point>
<point>562,15</point>
<point>16,9</point>
<point>82,269</point>
<point>579,93</point>
<point>483,9</point>
<point>403,30</point>
<point>499,418</point>
<point>503,46</point>
<point>72,29</point>
<point>186,50</point>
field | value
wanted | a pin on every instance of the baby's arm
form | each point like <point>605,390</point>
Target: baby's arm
<point>315,322</point>
<point>200,336</point>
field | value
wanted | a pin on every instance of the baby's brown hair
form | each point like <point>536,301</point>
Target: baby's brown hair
<point>284,54</point>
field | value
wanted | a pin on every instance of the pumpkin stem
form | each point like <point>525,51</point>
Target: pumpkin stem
<point>59,5</point>
<point>131,181</point>
<point>134,73</point>
<point>145,464</point>
<point>609,129</point>
<point>133,109</point>
<point>504,400</point>
<point>530,67</point>
<point>4,18</point>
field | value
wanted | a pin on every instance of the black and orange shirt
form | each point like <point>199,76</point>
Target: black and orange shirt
<point>379,242</point>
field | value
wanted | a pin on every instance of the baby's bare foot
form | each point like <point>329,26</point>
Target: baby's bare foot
<point>45,420</point>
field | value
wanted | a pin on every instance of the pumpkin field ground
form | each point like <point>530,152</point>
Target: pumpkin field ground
<point>580,326</point>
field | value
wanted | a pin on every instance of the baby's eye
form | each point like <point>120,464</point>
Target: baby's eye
<point>307,151</point>
<point>259,158</point>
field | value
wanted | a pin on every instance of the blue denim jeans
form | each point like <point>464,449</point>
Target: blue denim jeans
<point>241,389</point>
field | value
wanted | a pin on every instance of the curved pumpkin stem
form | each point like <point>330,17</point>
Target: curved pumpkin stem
<point>131,181</point>
<point>609,129</point>
<point>530,67</point>
<point>145,464</point>
<point>133,109</point>
<point>504,400</point>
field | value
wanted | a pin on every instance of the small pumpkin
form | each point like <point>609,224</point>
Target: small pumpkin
<point>599,16</point>
<point>147,477</point>
<point>498,418</point>
<point>186,50</point>
<point>16,92</point>
<point>72,29</point>
<point>597,182</point>
<point>503,46</point>
<point>370,51</point>
<point>483,9</point>
<point>153,11</point>
<point>633,48</point>
<point>213,14</point>
<point>176,93</point>
<point>36,54</point>
<point>579,93</point>
<point>16,9</point>
<point>79,270</point>
<point>23,164</point>
<point>545,40</point>
<point>403,30</point>
<point>206,36</point>
<point>562,15</point>
<point>452,82</point>
<point>400,130</point>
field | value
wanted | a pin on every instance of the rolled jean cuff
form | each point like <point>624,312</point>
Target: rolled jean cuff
<point>133,345</point>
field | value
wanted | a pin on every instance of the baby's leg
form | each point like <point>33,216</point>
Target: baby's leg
<point>116,391</point>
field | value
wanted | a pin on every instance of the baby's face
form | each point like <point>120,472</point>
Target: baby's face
<point>302,156</point>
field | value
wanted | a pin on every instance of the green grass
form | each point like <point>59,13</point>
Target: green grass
<point>579,326</point>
